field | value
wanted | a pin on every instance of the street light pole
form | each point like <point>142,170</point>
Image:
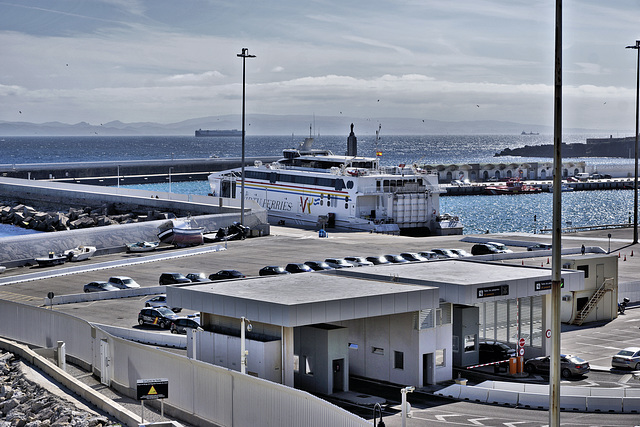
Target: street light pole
<point>635,181</point>
<point>244,55</point>
<point>171,167</point>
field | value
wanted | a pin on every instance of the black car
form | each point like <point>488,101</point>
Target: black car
<point>180,325</point>
<point>539,246</point>
<point>484,249</point>
<point>378,260</point>
<point>172,279</point>
<point>226,274</point>
<point>298,268</point>
<point>319,265</point>
<point>159,316</point>
<point>272,270</point>
<point>495,351</point>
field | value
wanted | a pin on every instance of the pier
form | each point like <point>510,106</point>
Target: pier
<point>478,188</point>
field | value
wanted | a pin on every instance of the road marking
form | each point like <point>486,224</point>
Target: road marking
<point>443,417</point>
<point>477,422</point>
<point>625,378</point>
<point>514,423</point>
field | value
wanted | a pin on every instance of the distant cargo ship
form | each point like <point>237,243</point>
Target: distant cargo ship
<point>219,132</point>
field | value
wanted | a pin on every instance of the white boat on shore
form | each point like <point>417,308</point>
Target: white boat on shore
<point>142,246</point>
<point>80,253</point>
<point>316,188</point>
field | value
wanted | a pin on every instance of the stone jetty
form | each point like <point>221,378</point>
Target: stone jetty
<point>25,403</point>
<point>75,218</point>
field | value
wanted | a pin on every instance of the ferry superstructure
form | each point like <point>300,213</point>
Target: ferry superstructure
<point>317,188</point>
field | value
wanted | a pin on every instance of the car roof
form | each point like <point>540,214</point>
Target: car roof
<point>634,349</point>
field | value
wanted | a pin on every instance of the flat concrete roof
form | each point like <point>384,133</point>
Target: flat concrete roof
<point>304,298</point>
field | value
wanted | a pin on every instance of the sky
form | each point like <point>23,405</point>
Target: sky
<point>166,61</point>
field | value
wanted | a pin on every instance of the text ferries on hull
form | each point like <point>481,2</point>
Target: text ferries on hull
<point>317,188</point>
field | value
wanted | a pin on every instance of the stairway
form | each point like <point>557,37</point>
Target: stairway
<point>607,285</point>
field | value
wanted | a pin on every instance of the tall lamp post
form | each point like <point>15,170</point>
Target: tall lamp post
<point>244,55</point>
<point>635,181</point>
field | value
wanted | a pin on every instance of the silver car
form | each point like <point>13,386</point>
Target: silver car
<point>627,358</point>
<point>358,261</point>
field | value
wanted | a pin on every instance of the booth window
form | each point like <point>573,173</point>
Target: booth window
<point>584,268</point>
<point>470,343</point>
<point>440,361</point>
<point>398,360</point>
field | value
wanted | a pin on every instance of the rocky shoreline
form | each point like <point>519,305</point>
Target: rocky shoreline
<point>25,403</point>
<point>75,218</point>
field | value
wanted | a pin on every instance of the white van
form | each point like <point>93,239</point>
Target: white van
<point>583,176</point>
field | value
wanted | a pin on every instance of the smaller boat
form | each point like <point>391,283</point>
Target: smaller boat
<point>513,186</point>
<point>142,246</point>
<point>2,268</point>
<point>80,253</point>
<point>563,188</point>
<point>51,260</point>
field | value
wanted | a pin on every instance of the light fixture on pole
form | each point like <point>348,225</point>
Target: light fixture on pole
<point>635,181</point>
<point>243,351</point>
<point>244,55</point>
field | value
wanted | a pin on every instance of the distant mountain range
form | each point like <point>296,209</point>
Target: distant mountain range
<point>264,124</point>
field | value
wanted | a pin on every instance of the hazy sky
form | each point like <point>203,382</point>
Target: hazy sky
<point>170,60</point>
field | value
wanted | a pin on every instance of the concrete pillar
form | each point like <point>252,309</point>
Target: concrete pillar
<point>287,356</point>
<point>62,356</point>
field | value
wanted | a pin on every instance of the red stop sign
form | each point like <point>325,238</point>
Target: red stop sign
<point>521,342</point>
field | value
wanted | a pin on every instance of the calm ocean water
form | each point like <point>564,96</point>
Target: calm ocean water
<point>479,213</point>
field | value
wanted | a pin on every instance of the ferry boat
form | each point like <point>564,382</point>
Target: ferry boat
<point>310,187</point>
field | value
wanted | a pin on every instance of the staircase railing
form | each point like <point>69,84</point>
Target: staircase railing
<point>607,285</point>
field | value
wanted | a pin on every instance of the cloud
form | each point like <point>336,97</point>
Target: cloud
<point>191,78</point>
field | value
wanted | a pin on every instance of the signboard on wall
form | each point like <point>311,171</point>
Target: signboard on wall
<point>152,389</point>
<point>493,291</point>
<point>545,285</point>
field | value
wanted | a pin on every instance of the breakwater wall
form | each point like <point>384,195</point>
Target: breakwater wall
<point>211,213</point>
<point>106,173</point>
<point>589,185</point>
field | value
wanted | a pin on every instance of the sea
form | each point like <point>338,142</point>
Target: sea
<point>479,214</point>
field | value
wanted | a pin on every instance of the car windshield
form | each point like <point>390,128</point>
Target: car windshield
<point>127,281</point>
<point>625,353</point>
<point>165,311</point>
<point>575,359</point>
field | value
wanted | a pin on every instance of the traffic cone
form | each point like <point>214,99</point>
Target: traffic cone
<point>541,265</point>
<point>547,260</point>
<point>522,262</point>
<point>618,254</point>
<point>625,257</point>
<point>631,253</point>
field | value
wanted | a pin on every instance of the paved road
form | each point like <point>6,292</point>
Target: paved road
<point>594,342</point>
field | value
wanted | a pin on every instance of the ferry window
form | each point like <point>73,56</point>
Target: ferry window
<point>339,184</point>
<point>377,185</point>
<point>273,177</point>
<point>349,184</point>
<point>329,202</point>
<point>325,182</point>
<point>346,199</point>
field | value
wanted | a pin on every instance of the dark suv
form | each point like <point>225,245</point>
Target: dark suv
<point>159,316</point>
<point>484,249</point>
<point>172,279</point>
<point>495,351</point>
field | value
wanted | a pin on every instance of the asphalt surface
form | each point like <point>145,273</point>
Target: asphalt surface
<point>594,342</point>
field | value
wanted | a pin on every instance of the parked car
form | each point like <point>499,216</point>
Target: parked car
<point>338,263</point>
<point>460,252</point>
<point>298,267</point>
<point>226,274</point>
<point>395,259</point>
<point>627,358</point>
<point>413,256</point>
<point>501,247</point>
<point>181,324</point>
<point>197,277</point>
<point>99,287</point>
<point>539,246</point>
<point>494,351</point>
<point>123,282</point>
<point>160,301</point>
<point>570,366</point>
<point>358,261</point>
<point>160,316</point>
<point>272,270</point>
<point>172,279</point>
<point>444,253</point>
<point>484,249</point>
<point>318,265</point>
<point>378,260</point>
<point>428,254</point>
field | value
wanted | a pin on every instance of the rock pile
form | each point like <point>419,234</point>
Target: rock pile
<point>28,217</point>
<point>24,403</point>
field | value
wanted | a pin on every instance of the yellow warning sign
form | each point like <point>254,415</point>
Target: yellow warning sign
<point>152,390</point>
